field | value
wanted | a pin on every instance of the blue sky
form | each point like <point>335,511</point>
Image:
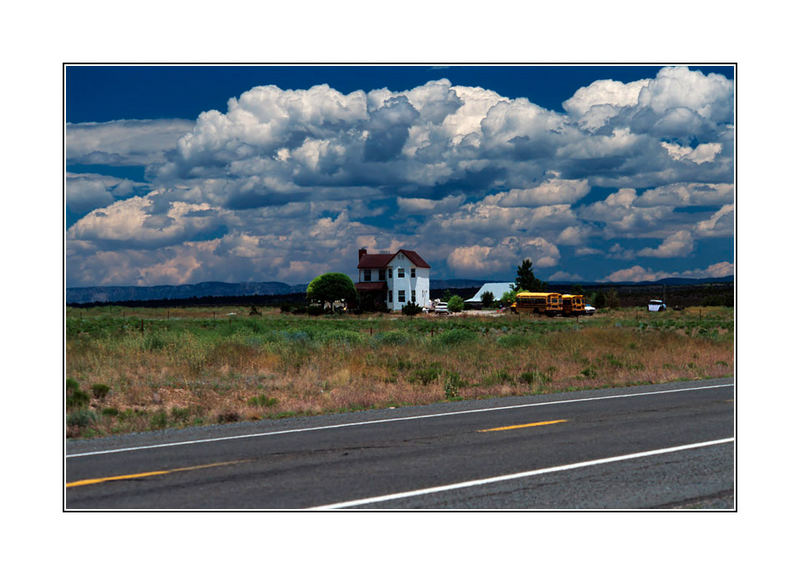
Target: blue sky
<point>259,173</point>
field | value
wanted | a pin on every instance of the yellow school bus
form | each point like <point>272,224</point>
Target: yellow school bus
<point>537,302</point>
<point>572,304</point>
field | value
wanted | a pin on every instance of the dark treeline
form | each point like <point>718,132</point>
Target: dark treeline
<point>206,301</point>
<point>712,294</point>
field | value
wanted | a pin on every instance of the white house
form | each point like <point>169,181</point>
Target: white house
<point>393,279</point>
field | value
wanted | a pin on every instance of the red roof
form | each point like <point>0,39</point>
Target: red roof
<point>377,261</point>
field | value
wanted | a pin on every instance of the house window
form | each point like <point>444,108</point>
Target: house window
<point>390,297</point>
<point>382,275</point>
<point>401,296</point>
<point>367,275</point>
<point>401,273</point>
<point>413,296</point>
<point>389,272</point>
<point>413,272</point>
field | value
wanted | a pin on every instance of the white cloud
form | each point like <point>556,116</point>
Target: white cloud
<point>679,244</point>
<point>720,224</point>
<point>639,274</point>
<point>595,104</point>
<point>478,259</point>
<point>86,192</point>
<point>574,235</point>
<point>123,142</point>
<point>687,194</point>
<point>617,252</point>
<point>276,185</point>
<point>679,88</point>
<point>700,155</point>
<point>717,270</point>
<point>148,221</point>
<point>621,216</point>
<point>633,274</point>
<point>548,192</point>
<point>426,206</point>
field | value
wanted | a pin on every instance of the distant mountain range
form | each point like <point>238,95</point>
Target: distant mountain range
<point>108,294</point>
<point>103,294</point>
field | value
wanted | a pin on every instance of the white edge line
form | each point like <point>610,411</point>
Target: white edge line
<point>389,420</point>
<point>521,475</point>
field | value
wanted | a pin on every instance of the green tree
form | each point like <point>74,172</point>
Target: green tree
<point>331,287</point>
<point>487,299</point>
<point>599,299</point>
<point>508,298</point>
<point>612,298</point>
<point>526,281</point>
<point>455,304</point>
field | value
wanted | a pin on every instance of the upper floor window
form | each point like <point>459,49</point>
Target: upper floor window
<point>382,275</point>
<point>401,273</point>
<point>389,273</point>
<point>367,275</point>
<point>413,272</point>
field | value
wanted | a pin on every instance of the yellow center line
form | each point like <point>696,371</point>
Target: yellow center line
<point>524,425</point>
<point>148,473</point>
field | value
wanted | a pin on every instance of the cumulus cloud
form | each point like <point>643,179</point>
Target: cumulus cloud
<point>679,244</point>
<point>574,235</point>
<point>633,274</point>
<point>700,155</point>
<point>687,194</point>
<point>123,142</point>
<point>87,192</point>
<point>147,221</point>
<point>655,214</point>
<point>548,192</point>
<point>595,104</point>
<point>639,274</point>
<point>678,88</point>
<point>283,182</point>
<point>621,216</point>
<point>427,206</point>
<point>720,224</point>
<point>493,258</point>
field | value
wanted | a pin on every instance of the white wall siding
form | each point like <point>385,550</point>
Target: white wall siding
<point>418,285</point>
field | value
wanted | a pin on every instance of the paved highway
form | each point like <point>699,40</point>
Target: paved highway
<point>645,447</point>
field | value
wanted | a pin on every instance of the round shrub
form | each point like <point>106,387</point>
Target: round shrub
<point>455,304</point>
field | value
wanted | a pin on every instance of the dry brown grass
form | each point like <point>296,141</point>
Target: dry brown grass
<point>188,371</point>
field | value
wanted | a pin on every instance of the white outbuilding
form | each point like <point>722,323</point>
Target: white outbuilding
<point>497,289</point>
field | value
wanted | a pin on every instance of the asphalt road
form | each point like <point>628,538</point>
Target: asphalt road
<point>645,447</point>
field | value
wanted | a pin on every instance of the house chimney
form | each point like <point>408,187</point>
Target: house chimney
<point>361,253</point>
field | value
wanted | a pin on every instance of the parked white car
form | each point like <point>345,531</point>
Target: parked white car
<point>656,305</point>
<point>441,308</point>
<point>589,309</point>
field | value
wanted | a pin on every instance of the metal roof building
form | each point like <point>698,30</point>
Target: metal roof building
<point>497,289</point>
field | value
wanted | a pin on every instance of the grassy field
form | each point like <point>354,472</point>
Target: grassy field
<point>136,369</point>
